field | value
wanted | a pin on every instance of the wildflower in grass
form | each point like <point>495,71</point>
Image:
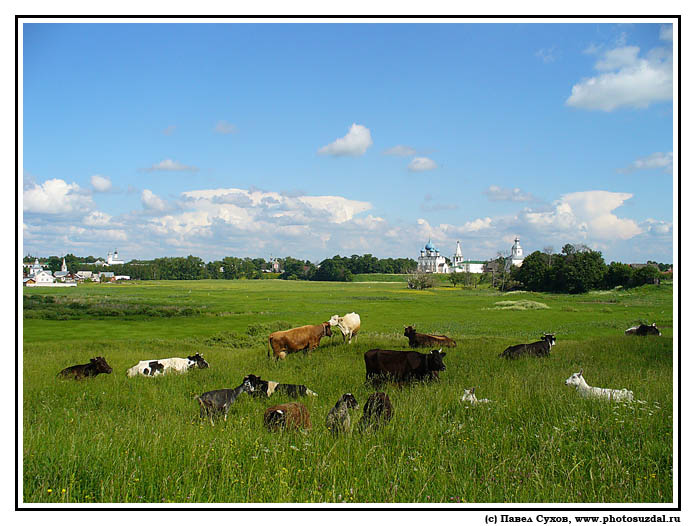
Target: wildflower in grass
<point>63,490</point>
<point>50,490</point>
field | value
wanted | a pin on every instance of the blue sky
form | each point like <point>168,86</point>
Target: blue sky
<point>311,140</point>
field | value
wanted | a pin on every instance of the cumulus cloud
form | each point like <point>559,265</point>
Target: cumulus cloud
<point>152,202</point>
<point>497,193</point>
<point>400,151</point>
<point>625,80</point>
<point>421,164</point>
<point>354,144</point>
<point>666,32</point>
<point>96,218</point>
<point>588,215</point>
<point>100,183</point>
<point>168,165</point>
<point>225,128</point>
<point>55,196</point>
<point>655,161</point>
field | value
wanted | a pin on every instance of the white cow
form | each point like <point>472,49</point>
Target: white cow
<point>157,367</point>
<point>348,324</point>
<point>578,381</point>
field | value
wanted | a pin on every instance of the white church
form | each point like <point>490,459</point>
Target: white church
<point>430,260</point>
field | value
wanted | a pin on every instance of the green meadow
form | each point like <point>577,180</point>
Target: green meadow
<point>140,440</point>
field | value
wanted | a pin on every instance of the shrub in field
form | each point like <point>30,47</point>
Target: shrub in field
<point>420,281</point>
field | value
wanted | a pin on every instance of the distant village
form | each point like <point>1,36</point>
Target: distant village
<point>37,275</point>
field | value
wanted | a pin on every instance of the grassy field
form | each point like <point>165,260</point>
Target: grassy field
<point>118,439</point>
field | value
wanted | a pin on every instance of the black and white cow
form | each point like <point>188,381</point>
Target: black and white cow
<point>268,387</point>
<point>539,349</point>
<point>643,330</point>
<point>165,365</point>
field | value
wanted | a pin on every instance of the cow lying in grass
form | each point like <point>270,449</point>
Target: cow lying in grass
<point>643,330</point>
<point>539,349</point>
<point>165,365</point>
<point>615,395</point>
<point>292,415</point>
<point>220,400</point>
<point>305,338</point>
<point>93,368</point>
<point>267,387</point>
<point>376,412</point>
<point>417,339</point>
<point>338,419</point>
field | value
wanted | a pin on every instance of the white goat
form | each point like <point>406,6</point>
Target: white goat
<point>470,397</point>
<point>615,395</point>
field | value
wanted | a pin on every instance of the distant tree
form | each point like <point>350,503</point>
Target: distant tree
<point>534,274</point>
<point>618,275</point>
<point>646,275</point>
<point>578,271</point>
<point>332,270</point>
<point>420,280</point>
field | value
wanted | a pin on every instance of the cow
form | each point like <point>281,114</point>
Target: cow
<point>614,395</point>
<point>349,325</point>
<point>292,415</point>
<point>305,338</point>
<point>643,330</point>
<point>470,397</point>
<point>266,388</point>
<point>93,368</point>
<point>402,366</point>
<point>338,419</point>
<point>417,339</point>
<point>376,412</point>
<point>165,365</point>
<point>539,349</point>
<point>220,400</point>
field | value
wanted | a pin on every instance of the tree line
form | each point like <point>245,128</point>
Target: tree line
<point>191,267</point>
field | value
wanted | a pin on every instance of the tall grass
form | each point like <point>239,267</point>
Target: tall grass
<point>118,439</point>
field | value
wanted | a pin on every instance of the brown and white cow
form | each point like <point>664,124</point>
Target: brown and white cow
<point>305,338</point>
<point>417,339</point>
<point>292,415</point>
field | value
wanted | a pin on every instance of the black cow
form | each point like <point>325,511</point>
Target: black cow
<point>376,413</point>
<point>220,400</point>
<point>418,339</point>
<point>403,366</point>
<point>644,330</point>
<point>539,349</point>
<point>267,387</point>
<point>93,368</point>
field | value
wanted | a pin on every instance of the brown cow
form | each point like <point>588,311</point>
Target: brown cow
<point>292,415</point>
<point>305,338</point>
<point>93,368</point>
<point>417,339</point>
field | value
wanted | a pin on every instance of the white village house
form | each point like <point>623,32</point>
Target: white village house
<point>430,260</point>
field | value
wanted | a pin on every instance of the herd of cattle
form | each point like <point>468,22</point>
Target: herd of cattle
<point>380,365</point>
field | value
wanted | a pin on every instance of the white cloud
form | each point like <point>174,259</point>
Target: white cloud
<point>55,196</point>
<point>152,202</point>
<point>100,183</point>
<point>354,143</point>
<point>657,160</point>
<point>626,80</point>
<point>546,54</point>
<point>496,193</point>
<point>400,151</point>
<point>421,164</point>
<point>168,165</point>
<point>587,215</point>
<point>225,128</point>
<point>96,218</point>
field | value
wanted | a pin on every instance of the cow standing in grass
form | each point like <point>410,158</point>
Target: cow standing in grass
<point>403,366</point>
<point>95,366</point>
<point>349,325</point>
<point>305,338</point>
